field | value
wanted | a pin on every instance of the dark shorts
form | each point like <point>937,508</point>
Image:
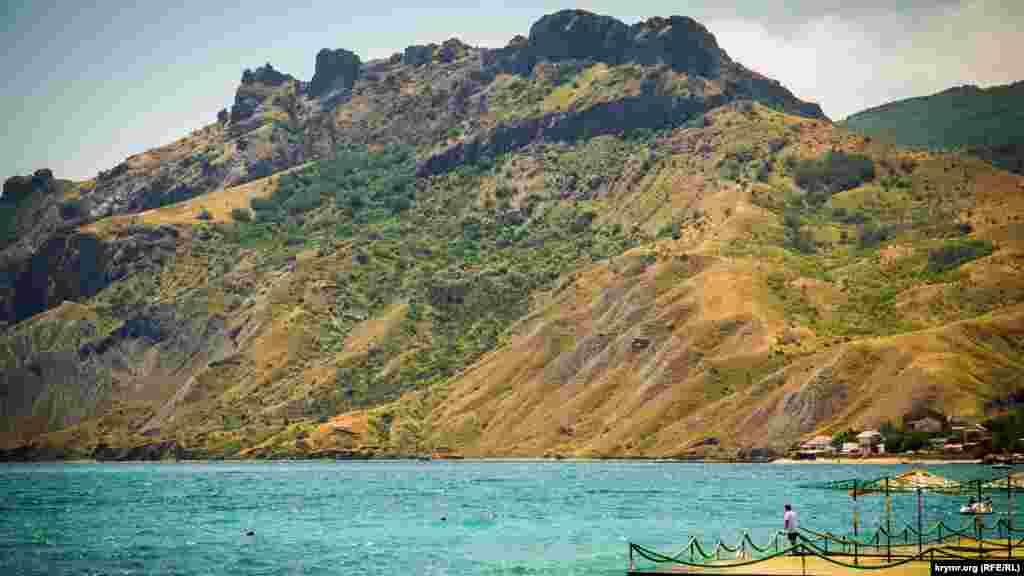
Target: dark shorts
<point>792,537</point>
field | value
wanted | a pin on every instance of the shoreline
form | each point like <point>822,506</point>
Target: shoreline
<point>887,460</point>
<point>881,460</point>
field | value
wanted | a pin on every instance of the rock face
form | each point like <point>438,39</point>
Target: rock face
<point>628,113</point>
<point>67,267</point>
<point>449,51</point>
<point>335,69</point>
<point>155,451</point>
<point>679,42</point>
<point>576,35</point>
<point>265,75</point>
<point>31,453</point>
<point>17,187</point>
<point>418,55</point>
<point>74,266</point>
<point>36,210</point>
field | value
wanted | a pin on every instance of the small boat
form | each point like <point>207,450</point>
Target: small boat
<point>976,508</point>
<point>1002,466</point>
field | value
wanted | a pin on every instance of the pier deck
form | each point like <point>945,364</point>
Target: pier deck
<point>809,565</point>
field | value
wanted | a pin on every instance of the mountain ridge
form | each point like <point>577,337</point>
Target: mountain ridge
<point>509,252</point>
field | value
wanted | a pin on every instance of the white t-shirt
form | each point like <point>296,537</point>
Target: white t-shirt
<point>791,521</point>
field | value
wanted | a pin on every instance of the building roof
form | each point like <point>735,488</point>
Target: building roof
<point>818,441</point>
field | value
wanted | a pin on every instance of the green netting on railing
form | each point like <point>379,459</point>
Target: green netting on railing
<point>938,533</point>
<point>808,547</point>
<point>846,485</point>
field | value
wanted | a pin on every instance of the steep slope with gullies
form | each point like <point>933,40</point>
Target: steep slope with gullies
<point>734,335</point>
<point>601,240</point>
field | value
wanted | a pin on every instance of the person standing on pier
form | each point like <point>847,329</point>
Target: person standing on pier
<point>791,523</point>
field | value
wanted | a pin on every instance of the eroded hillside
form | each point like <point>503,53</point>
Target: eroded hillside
<point>518,252</point>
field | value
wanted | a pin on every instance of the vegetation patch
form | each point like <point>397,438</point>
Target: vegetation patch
<point>956,253</point>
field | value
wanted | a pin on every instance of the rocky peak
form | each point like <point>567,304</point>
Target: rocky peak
<point>17,187</point>
<point>678,41</point>
<point>577,35</point>
<point>334,69</point>
<point>449,51</point>
<point>265,75</point>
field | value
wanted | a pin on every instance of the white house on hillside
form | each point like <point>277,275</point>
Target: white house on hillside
<point>870,440</point>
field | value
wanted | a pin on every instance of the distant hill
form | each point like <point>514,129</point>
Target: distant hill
<point>985,122</point>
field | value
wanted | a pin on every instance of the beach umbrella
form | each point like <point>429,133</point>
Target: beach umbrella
<point>911,481</point>
<point>917,480</point>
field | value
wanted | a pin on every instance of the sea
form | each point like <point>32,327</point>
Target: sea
<point>417,517</point>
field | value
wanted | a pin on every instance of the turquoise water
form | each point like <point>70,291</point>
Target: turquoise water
<point>466,517</point>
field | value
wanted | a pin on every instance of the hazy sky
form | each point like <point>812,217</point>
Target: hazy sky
<point>85,87</point>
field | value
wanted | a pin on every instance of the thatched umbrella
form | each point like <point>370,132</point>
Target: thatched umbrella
<point>916,480</point>
<point>911,481</point>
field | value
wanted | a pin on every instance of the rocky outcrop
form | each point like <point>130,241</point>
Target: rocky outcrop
<point>266,75</point>
<point>32,453</point>
<point>69,266</point>
<point>418,55</point>
<point>578,35</point>
<point>122,190</point>
<point>449,51</point>
<point>748,85</point>
<point>679,42</point>
<point>256,85</point>
<point>335,70</point>
<point>607,118</point>
<point>18,187</point>
<point>168,449</point>
<point>30,210</point>
<point>74,266</point>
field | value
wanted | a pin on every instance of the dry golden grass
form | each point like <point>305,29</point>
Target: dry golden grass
<point>571,381</point>
<point>218,204</point>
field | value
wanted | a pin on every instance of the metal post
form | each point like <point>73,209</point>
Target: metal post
<point>981,523</point>
<point>920,533</point>
<point>855,514</point>
<point>632,566</point>
<point>856,521</point>
<point>888,522</point>
<point>977,532</point>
